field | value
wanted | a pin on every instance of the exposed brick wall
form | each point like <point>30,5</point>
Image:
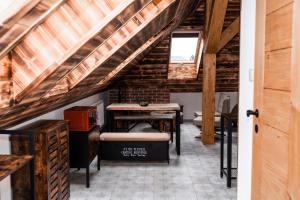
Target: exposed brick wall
<point>152,94</point>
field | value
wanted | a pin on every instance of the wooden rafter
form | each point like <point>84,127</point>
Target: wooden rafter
<point>140,51</point>
<point>229,33</point>
<point>147,47</point>
<point>215,26</point>
<point>19,29</point>
<point>208,7</point>
<point>83,48</point>
<point>83,71</point>
<point>12,11</point>
<point>22,111</point>
<point>5,81</point>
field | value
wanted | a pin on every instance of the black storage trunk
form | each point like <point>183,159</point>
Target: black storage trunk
<point>135,150</point>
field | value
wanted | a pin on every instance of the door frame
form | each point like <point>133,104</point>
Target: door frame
<point>246,96</point>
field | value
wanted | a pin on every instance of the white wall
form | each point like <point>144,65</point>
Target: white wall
<point>247,49</point>
<point>5,191</point>
<point>193,102</point>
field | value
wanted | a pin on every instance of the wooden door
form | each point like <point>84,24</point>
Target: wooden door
<point>276,145</point>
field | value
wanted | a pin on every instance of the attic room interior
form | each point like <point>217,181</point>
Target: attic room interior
<point>149,99</point>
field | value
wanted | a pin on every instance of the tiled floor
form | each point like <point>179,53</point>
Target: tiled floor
<point>192,176</point>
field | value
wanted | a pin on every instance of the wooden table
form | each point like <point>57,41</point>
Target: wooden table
<point>151,107</point>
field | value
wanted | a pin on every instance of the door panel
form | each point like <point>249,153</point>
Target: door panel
<point>273,5</point>
<point>276,146</point>
<point>275,159</point>
<point>278,30</point>
<point>278,67</point>
<point>276,109</point>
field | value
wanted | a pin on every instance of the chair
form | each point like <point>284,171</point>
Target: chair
<point>222,107</point>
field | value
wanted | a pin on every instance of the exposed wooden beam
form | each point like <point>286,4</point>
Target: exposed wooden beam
<point>156,2</point>
<point>5,81</point>
<point>216,22</point>
<point>137,53</point>
<point>229,33</point>
<point>102,64</point>
<point>80,51</point>
<point>13,11</point>
<point>208,6</point>
<point>23,112</point>
<point>32,19</point>
<point>208,98</point>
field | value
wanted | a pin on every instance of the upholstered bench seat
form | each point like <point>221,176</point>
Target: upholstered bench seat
<point>134,136</point>
<point>134,146</point>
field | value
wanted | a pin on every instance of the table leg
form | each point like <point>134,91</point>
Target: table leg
<point>171,129</point>
<point>87,164</point>
<point>178,132</point>
<point>32,195</point>
<point>87,174</point>
<point>111,121</point>
<point>99,154</point>
<point>222,147</point>
<point>229,152</point>
<point>32,166</point>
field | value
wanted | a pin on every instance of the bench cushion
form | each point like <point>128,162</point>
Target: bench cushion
<point>199,113</point>
<point>108,136</point>
<point>144,117</point>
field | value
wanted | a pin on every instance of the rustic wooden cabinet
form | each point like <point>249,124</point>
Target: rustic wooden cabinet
<point>51,147</point>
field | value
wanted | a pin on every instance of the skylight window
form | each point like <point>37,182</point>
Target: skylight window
<point>184,47</point>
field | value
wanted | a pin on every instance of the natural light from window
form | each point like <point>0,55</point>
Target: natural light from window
<point>183,49</point>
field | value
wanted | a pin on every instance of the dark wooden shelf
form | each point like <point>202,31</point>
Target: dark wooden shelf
<point>11,163</point>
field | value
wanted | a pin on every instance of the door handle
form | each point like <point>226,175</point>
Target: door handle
<point>251,112</point>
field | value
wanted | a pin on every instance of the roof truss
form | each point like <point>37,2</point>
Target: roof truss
<point>76,51</point>
<point>97,65</point>
<point>21,23</point>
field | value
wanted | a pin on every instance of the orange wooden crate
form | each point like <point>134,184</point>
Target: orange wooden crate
<point>81,118</point>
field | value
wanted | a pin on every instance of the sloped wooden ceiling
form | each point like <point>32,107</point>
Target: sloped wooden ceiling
<point>72,49</point>
<point>152,67</point>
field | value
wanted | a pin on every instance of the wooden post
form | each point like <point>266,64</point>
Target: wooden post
<point>208,99</point>
<point>215,15</point>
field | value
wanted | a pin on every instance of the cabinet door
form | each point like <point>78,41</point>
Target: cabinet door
<point>64,163</point>
<point>53,165</point>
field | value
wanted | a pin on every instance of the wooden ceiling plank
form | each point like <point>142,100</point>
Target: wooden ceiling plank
<point>49,77</point>
<point>32,19</point>
<point>216,22</point>
<point>229,33</point>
